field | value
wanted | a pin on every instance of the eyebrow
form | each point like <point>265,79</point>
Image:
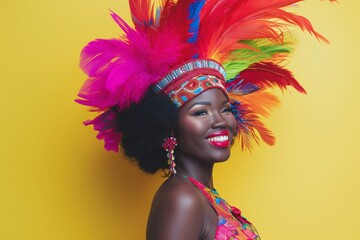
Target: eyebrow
<point>206,103</point>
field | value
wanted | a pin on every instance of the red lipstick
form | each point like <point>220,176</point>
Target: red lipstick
<point>220,139</point>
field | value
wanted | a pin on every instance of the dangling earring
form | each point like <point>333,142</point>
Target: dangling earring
<point>169,145</point>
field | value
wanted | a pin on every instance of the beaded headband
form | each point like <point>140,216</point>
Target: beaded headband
<point>201,65</point>
<point>191,79</point>
<point>189,89</point>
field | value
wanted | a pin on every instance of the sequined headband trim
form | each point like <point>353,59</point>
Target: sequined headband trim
<point>188,67</point>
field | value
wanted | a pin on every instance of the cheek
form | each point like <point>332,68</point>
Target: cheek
<point>191,129</point>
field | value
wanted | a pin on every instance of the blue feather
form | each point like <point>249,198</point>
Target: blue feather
<point>238,112</point>
<point>194,17</point>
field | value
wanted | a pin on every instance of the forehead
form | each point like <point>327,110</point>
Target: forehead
<point>214,96</point>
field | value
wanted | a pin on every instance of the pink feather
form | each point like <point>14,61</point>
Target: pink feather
<point>122,70</point>
<point>104,124</point>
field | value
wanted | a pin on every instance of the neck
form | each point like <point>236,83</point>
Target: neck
<point>202,172</point>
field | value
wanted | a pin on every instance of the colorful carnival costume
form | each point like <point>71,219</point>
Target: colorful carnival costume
<point>182,48</point>
<point>231,224</point>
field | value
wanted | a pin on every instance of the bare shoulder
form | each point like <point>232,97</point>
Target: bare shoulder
<point>177,212</point>
<point>179,191</point>
<point>178,194</point>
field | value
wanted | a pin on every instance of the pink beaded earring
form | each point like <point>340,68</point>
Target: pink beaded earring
<point>169,145</point>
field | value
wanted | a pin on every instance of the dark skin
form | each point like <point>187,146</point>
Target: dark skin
<point>179,211</point>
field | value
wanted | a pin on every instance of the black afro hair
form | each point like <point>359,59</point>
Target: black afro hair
<point>143,127</point>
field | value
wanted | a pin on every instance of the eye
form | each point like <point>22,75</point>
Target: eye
<point>200,113</point>
<point>226,110</point>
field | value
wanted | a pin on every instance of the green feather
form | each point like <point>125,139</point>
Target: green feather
<point>259,50</point>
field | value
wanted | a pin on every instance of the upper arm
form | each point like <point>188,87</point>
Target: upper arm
<point>176,214</point>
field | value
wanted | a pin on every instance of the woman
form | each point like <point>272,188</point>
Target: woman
<point>205,130</point>
<point>178,87</point>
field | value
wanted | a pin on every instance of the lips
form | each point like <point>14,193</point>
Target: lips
<point>219,139</point>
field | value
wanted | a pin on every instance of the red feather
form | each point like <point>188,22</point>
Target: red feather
<point>221,20</point>
<point>268,74</point>
<point>142,12</point>
<point>254,131</point>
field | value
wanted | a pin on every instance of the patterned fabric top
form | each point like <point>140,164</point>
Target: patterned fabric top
<point>231,225</point>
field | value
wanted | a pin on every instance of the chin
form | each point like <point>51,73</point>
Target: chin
<point>221,156</point>
<point>221,161</point>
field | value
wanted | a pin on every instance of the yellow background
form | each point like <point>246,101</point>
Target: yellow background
<point>57,182</point>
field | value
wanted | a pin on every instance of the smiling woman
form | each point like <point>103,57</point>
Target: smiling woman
<point>174,92</point>
<point>204,132</point>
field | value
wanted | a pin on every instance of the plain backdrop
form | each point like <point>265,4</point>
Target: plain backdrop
<point>57,182</point>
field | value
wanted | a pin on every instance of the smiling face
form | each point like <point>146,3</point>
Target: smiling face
<point>206,128</point>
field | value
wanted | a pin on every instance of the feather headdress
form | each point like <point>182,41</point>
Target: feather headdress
<point>241,42</point>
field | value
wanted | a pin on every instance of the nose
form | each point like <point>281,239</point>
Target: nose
<point>219,121</point>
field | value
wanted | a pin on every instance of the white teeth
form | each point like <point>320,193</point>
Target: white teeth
<point>218,139</point>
